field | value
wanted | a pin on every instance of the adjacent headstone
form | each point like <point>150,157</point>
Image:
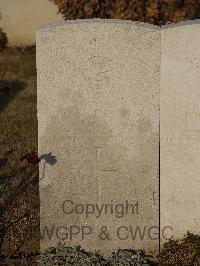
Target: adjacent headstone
<point>98,114</point>
<point>180,128</point>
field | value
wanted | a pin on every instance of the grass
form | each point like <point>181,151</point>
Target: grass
<point>18,123</point>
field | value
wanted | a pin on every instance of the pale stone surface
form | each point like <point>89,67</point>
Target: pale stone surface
<point>180,128</point>
<point>98,113</point>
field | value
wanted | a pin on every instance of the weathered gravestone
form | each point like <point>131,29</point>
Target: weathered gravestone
<point>98,113</point>
<point>180,128</point>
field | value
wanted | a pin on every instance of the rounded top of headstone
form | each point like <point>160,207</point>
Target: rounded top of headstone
<point>181,24</point>
<point>97,21</point>
<point>117,22</point>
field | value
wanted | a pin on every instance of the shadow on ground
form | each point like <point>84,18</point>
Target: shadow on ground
<point>8,90</point>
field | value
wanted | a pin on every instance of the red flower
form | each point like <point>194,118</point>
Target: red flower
<point>53,251</point>
<point>31,158</point>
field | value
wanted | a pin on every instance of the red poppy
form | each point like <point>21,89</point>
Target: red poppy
<point>53,250</point>
<point>31,158</point>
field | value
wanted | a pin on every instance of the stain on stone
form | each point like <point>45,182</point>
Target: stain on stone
<point>143,125</point>
<point>78,136</point>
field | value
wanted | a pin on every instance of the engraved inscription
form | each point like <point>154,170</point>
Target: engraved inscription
<point>96,72</point>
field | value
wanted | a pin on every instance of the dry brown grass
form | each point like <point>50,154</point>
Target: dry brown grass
<point>18,123</point>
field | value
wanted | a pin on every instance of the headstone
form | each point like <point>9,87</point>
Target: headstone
<point>180,129</point>
<point>98,114</point>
